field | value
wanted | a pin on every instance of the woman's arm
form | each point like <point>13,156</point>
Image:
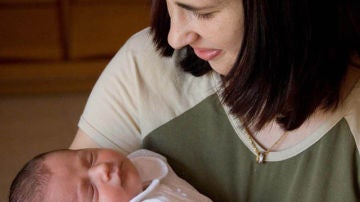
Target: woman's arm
<point>82,140</point>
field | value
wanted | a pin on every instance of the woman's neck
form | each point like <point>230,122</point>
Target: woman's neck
<point>271,132</point>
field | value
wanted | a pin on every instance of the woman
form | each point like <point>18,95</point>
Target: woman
<point>249,100</point>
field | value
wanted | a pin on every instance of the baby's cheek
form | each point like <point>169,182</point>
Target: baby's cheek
<point>113,193</point>
<point>130,180</point>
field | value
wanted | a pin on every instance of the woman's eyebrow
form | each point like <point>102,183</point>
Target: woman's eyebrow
<point>191,8</point>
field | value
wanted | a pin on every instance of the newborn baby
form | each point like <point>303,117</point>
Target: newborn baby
<point>100,175</point>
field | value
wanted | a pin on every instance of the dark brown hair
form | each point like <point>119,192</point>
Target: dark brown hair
<point>29,184</point>
<point>293,58</point>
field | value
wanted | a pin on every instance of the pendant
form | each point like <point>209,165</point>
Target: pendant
<point>260,158</point>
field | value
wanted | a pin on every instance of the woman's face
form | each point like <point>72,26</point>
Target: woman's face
<point>213,28</point>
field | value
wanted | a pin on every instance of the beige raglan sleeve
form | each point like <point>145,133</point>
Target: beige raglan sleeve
<point>111,115</point>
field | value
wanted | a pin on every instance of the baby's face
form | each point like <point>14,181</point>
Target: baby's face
<point>91,175</point>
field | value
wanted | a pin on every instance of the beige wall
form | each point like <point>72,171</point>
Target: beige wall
<point>62,45</point>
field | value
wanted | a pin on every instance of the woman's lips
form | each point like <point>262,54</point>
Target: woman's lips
<point>206,54</point>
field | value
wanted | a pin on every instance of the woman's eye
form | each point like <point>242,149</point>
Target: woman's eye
<point>203,15</point>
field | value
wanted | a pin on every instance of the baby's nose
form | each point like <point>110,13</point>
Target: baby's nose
<point>101,171</point>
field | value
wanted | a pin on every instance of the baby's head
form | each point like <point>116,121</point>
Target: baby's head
<point>77,175</point>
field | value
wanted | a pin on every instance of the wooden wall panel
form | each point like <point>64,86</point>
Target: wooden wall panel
<point>54,46</point>
<point>100,29</point>
<point>49,77</point>
<point>30,32</point>
<point>22,2</point>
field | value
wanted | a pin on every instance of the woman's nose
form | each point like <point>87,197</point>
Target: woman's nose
<point>100,172</point>
<point>181,33</point>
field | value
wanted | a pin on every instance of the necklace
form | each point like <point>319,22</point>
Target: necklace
<point>261,155</point>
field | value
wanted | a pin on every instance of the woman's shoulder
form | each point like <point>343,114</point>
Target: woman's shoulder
<point>140,40</point>
<point>138,58</point>
<point>139,54</point>
<point>145,89</point>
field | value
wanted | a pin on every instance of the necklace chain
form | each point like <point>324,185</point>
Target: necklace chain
<point>261,155</point>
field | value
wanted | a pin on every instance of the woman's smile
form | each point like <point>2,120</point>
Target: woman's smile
<point>210,28</point>
<point>207,54</point>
